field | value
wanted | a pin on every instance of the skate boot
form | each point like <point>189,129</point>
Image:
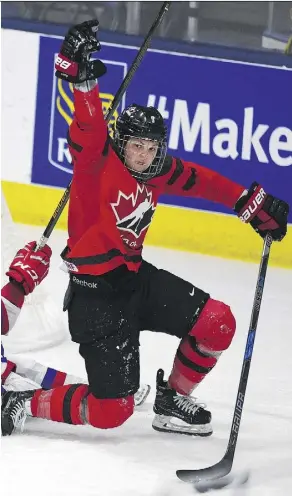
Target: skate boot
<point>13,412</point>
<point>178,413</point>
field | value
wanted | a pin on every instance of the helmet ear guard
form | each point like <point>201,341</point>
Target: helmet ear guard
<point>141,122</point>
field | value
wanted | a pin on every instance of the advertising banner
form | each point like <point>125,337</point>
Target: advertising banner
<point>232,117</point>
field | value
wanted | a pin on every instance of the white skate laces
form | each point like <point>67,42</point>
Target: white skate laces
<point>187,404</point>
<point>18,416</point>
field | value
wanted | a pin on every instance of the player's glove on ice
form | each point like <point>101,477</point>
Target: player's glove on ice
<point>72,63</point>
<point>264,212</point>
<point>30,267</point>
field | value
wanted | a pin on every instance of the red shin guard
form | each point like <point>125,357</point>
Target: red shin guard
<point>198,352</point>
<point>61,404</point>
<point>72,404</point>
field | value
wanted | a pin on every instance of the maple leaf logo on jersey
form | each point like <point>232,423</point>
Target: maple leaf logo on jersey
<point>135,211</point>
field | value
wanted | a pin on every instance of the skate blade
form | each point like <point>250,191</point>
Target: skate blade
<point>141,394</point>
<point>163,423</point>
<point>6,428</point>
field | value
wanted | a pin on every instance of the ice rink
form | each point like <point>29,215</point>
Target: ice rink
<point>51,459</point>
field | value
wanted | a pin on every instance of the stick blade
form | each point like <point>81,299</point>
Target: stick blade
<point>206,474</point>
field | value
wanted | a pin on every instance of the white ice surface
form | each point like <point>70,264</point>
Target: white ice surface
<point>51,459</point>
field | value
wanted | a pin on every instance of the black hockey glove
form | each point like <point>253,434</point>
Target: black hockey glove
<point>72,63</point>
<point>264,212</point>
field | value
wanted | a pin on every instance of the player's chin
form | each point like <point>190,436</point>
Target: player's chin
<point>138,167</point>
<point>141,168</point>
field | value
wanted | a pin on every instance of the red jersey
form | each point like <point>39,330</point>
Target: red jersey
<point>109,210</point>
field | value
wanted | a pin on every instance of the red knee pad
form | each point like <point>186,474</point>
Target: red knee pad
<point>109,413</point>
<point>215,326</point>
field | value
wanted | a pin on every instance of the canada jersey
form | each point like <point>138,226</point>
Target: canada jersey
<point>109,215</point>
<point>109,210</point>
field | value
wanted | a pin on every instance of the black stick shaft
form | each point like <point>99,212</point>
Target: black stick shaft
<point>248,349</point>
<point>137,61</point>
<point>224,466</point>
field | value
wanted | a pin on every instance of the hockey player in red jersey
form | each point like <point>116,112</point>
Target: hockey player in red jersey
<point>113,292</point>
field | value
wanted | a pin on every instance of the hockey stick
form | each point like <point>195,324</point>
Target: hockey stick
<point>128,78</point>
<point>212,475</point>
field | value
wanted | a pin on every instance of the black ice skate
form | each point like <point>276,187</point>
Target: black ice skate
<point>178,413</point>
<point>13,413</point>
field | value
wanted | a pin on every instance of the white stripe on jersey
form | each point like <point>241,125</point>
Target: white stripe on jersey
<point>12,312</point>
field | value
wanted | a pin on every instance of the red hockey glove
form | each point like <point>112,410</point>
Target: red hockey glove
<point>264,212</point>
<point>30,267</point>
<point>72,63</point>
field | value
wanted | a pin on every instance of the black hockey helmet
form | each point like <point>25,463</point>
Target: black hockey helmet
<point>137,121</point>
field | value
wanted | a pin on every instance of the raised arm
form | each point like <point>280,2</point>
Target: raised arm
<point>88,131</point>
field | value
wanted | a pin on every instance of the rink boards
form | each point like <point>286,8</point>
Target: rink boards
<point>173,227</point>
<point>217,115</point>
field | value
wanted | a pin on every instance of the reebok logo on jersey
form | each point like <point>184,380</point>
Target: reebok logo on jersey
<point>91,285</point>
<point>134,212</point>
